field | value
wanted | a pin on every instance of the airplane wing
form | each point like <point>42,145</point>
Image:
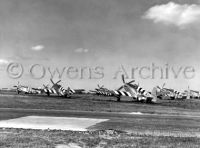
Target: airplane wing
<point>79,91</point>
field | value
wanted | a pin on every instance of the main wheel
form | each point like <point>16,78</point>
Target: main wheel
<point>118,99</point>
<point>148,100</point>
<point>48,93</point>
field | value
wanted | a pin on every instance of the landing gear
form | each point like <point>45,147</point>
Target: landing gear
<point>160,97</point>
<point>118,99</point>
<point>134,98</point>
<point>148,100</point>
<point>140,99</point>
<point>172,98</point>
<point>48,93</point>
<point>67,96</point>
<point>137,99</point>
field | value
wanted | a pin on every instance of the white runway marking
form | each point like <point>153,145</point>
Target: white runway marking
<point>70,145</point>
<point>52,123</point>
<point>136,113</point>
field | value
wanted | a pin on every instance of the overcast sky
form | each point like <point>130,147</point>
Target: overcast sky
<point>105,33</point>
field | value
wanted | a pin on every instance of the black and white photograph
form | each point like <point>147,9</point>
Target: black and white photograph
<point>99,73</point>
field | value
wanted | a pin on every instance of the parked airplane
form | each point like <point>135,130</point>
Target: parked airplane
<point>165,92</point>
<point>139,93</point>
<point>101,90</point>
<point>194,94</point>
<point>129,90</point>
<point>45,90</point>
<point>171,93</point>
<point>25,89</point>
<point>60,91</point>
<point>191,93</point>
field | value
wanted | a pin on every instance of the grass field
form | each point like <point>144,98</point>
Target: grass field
<point>97,103</point>
<point>105,138</point>
<point>108,139</point>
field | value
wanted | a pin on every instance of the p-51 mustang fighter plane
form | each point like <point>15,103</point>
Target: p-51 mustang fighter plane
<point>194,94</point>
<point>164,92</point>
<point>60,91</point>
<point>101,90</point>
<point>26,89</point>
<point>171,93</point>
<point>138,93</point>
<point>129,90</point>
<point>191,93</point>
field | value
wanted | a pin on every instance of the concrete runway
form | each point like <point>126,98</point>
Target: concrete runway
<point>136,122</point>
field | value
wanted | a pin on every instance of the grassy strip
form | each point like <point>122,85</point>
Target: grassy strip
<point>96,103</point>
<point>43,138</point>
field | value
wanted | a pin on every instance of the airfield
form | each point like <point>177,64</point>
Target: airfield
<point>86,120</point>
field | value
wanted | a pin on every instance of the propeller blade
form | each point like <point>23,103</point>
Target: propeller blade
<point>123,79</point>
<point>52,81</point>
<point>163,85</point>
<point>58,82</point>
<point>120,88</point>
<point>158,87</point>
<point>98,86</point>
<point>131,81</point>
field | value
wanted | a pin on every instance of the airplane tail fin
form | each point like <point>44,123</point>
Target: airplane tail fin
<point>188,93</point>
<point>154,94</point>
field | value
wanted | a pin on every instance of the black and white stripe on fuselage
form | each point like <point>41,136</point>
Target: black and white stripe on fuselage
<point>142,91</point>
<point>177,94</point>
<point>122,93</point>
<point>114,93</point>
<point>50,91</point>
<point>63,91</point>
<point>72,91</point>
<point>104,93</point>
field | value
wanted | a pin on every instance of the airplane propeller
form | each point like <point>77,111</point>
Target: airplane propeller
<point>46,86</point>
<point>123,80</point>
<point>160,87</point>
<point>163,86</point>
<point>100,87</point>
<point>56,82</point>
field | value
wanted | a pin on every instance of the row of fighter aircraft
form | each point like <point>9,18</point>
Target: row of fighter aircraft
<point>133,90</point>
<point>55,89</point>
<point>128,89</point>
